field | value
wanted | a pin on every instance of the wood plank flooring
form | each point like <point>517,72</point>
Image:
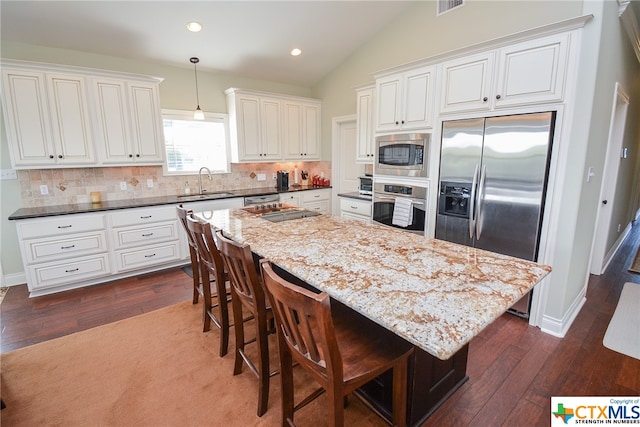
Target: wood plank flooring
<point>513,368</point>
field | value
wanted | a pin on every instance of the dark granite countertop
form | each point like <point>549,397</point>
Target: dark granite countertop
<point>43,211</point>
<point>356,195</point>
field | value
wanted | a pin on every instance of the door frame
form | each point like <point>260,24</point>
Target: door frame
<point>600,257</point>
<point>336,122</point>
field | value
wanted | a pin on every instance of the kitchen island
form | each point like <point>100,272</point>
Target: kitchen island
<point>435,294</point>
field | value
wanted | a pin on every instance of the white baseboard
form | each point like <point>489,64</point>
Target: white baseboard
<point>559,327</point>
<point>614,249</point>
<point>13,279</point>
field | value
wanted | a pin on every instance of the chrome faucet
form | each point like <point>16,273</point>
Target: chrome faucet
<point>200,189</point>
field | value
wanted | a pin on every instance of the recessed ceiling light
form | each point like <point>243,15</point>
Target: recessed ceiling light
<point>295,52</point>
<point>194,26</point>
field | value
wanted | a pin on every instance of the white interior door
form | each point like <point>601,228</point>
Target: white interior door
<point>601,254</point>
<point>345,170</point>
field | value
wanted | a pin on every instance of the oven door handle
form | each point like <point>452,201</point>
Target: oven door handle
<point>391,199</point>
<point>479,215</point>
<point>473,202</point>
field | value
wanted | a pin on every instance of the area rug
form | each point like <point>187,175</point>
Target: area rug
<point>155,369</point>
<point>623,333</point>
<point>635,265</point>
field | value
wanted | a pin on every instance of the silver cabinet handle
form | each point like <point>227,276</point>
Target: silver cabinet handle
<point>67,247</point>
<point>150,256</point>
<point>65,226</point>
<point>145,217</point>
<point>147,235</point>
<point>72,270</point>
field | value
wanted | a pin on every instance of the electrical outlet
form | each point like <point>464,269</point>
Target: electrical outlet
<point>123,185</point>
<point>274,177</point>
<point>149,183</point>
<point>44,190</point>
<point>262,177</point>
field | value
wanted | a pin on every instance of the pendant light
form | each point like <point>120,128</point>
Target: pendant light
<point>198,114</point>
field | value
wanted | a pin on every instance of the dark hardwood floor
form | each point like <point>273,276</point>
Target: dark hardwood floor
<point>513,368</point>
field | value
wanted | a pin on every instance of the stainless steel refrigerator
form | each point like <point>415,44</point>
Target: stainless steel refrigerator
<point>493,179</point>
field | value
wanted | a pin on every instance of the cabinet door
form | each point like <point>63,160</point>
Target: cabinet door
<point>146,123</point>
<point>248,128</point>
<point>292,130</point>
<point>364,130</point>
<point>466,83</point>
<point>532,72</point>
<point>291,199</point>
<point>71,126</point>
<point>27,120</point>
<point>389,92</point>
<point>418,99</point>
<point>112,122</point>
<point>311,131</point>
<point>271,129</point>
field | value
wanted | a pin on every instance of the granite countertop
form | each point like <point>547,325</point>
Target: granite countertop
<point>435,294</point>
<point>43,211</point>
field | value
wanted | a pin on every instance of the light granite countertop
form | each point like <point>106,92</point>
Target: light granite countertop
<point>435,294</point>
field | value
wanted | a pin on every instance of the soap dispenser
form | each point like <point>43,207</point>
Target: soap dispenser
<point>187,190</point>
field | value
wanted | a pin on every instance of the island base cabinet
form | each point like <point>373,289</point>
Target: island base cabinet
<point>430,382</point>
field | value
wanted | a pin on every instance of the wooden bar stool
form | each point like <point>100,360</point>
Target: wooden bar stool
<point>211,264</point>
<point>329,342</point>
<point>193,252</point>
<point>247,291</point>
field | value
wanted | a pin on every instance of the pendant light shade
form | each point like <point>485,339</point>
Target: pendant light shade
<point>198,114</point>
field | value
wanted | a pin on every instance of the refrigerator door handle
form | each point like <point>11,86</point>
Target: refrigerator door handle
<point>472,200</point>
<point>483,176</point>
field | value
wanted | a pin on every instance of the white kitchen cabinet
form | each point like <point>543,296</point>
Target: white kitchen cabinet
<point>64,251</point>
<point>355,209</point>
<point>521,74</point>
<point>365,140</point>
<point>47,118</point>
<point>271,127</point>
<point>144,237</point>
<point>316,200</point>
<point>291,198</point>
<point>405,100</point>
<point>129,122</point>
<point>301,130</point>
<point>255,127</point>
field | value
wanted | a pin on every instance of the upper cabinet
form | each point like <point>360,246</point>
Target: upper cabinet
<point>47,119</point>
<point>59,116</point>
<point>270,127</point>
<point>129,123</point>
<point>405,100</point>
<point>525,73</point>
<point>365,103</point>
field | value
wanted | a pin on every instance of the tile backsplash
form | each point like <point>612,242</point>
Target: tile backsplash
<point>74,185</point>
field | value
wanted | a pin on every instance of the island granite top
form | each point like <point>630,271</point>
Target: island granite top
<point>435,294</point>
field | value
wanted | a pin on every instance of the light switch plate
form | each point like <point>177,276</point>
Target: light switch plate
<point>8,174</point>
<point>123,185</point>
<point>262,177</point>
<point>149,183</point>
<point>44,190</point>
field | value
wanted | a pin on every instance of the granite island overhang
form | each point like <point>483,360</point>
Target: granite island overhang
<point>435,294</point>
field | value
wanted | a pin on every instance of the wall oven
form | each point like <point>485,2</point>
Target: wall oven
<point>402,154</point>
<point>400,205</point>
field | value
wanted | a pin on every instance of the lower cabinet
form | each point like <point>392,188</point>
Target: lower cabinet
<point>315,200</point>
<point>355,209</point>
<point>76,250</point>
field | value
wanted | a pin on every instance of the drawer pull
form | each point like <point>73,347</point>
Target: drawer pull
<point>354,207</point>
<point>71,271</point>
<point>64,226</point>
<point>67,247</point>
<point>145,217</point>
<point>150,256</point>
<point>147,235</point>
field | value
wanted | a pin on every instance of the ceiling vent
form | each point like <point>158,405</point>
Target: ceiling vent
<point>445,6</point>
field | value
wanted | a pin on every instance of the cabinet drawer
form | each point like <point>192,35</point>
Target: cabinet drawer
<point>143,216</point>
<point>290,199</point>
<point>147,256</point>
<point>137,236</point>
<point>315,195</point>
<point>59,248</point>
<point>321,206</point>
<point>62,273</point>
<point>357,217</point>
<point>60,225</point>
<point>358,207</point>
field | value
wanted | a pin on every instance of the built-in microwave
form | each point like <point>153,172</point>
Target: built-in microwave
<point>402,154</point>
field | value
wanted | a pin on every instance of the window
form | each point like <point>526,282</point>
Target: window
<point>191,144</point>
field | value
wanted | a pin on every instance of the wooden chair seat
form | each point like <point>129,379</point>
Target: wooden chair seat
<point>247,291</point>
<point>211,265</point>
<point>340,349</point>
